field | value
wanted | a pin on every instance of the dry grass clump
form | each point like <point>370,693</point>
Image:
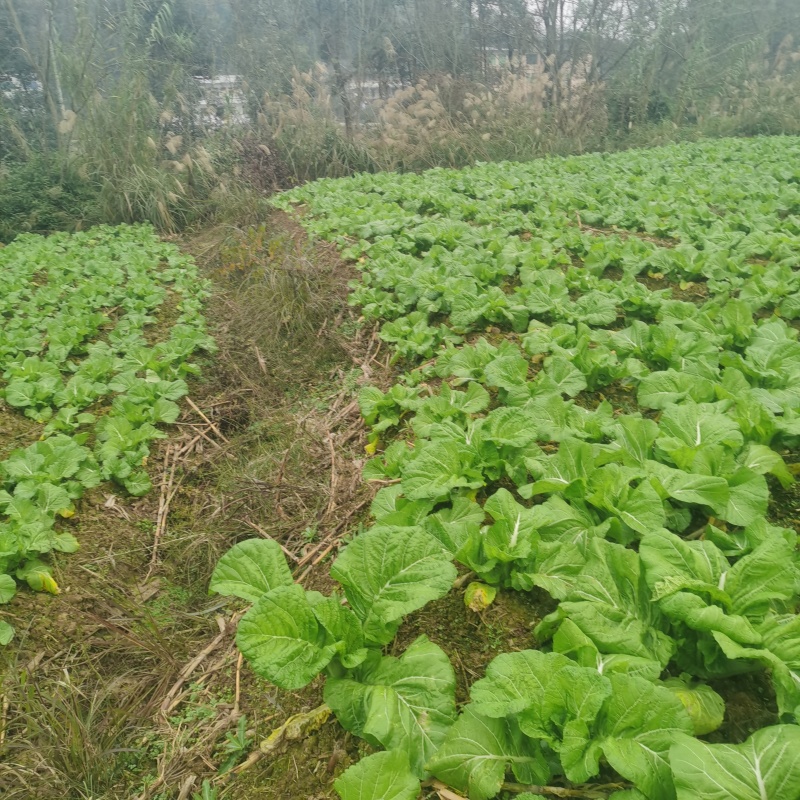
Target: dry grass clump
<point>69,734</point>
<point>456,122</point>
<point>147,161</point>
<point>437,121</point>
<point>303,125</point>
<point>284,299</point>
<point>278,317</point>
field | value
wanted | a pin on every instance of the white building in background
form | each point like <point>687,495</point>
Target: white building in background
<point>222,101</point>
<point>11,87</point>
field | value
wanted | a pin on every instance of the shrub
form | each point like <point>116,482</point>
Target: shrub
<point>40,196</point>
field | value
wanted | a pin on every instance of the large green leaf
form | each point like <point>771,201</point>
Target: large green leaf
<point>20,394</point>
<point>603,592</point>
<point>478,750</point>
<point>779,651</point>
<point>8,588</point>
<point>406,703</point>
<point>551,698</point>
<point>391,507</point>
<point>515,681</point>
<point>513,535</point>
<point>695,584</point>
<point>661,389</point>
<point>762,460</point>
<point>699,426</point>
<point>686,487</point>
<point>640,508</point>
<point>572,641</point>
<point>574,462</point>
<point>765,767</point>
<point>734,542</point>
<point>52,499</point>
<point>635,437</point>
<point>781,637</point>
<point>766,577</point>
<point>506,371</point>
<point>671,563</point>
<point>455,525</point>
<point>6,632</point>
<point>390,572</point>
<point>436,470</point>
<point>341,627</point>
<point>560,521</point>
<point>513,427</point>
<point>748,497</point>
<point>250,569</point>
<point>280,637</point>
<point>64,456</point>
<point>640,722</point>
<point>566,378</point>
<point>381,776</point>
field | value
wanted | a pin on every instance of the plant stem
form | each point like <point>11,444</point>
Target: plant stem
<point>591,792</point>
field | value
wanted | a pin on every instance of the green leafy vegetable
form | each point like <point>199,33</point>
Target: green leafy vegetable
<point>560,426</point>
<point>62,352</point>
<point>765,767</point>
<point>381,776</point>
<point>390,572</point>
<point>280,636</point>
<point>478,750</point>
<point>406,703</point>
<point>250,569</point>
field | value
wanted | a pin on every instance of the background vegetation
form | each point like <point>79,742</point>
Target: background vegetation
<point>102,117</point>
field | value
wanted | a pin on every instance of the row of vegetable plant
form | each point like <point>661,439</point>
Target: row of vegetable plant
<point>81,355</point>
<point>601,381</point>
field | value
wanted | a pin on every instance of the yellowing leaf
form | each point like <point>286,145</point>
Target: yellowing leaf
<point>298,726</point>
<point>479,596</point>
<point>41,581</point>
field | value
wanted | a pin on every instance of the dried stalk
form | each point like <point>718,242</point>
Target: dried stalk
<point>208,421</point>
<point>163,504</point>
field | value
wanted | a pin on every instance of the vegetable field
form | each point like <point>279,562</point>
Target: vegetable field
<point>597,395</point>
<point>82,358</point>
